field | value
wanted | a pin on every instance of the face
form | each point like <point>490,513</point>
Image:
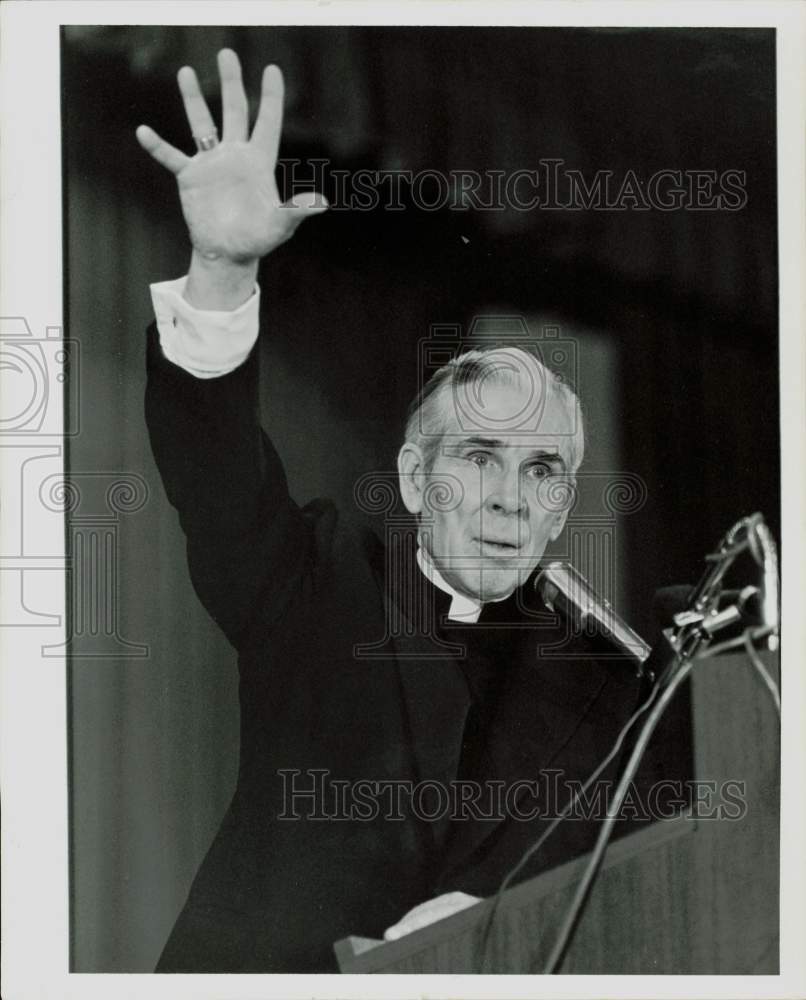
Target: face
<point>497,492</point>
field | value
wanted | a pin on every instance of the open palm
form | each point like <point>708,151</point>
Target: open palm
<point>229,195</point>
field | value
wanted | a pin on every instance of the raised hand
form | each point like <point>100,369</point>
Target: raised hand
<point>228,192</point>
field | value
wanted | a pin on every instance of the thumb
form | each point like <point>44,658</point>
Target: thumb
<point>303,206</point>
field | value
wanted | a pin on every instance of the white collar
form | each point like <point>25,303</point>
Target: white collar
<point>463,608</point>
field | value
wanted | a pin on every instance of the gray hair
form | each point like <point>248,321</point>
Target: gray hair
<point>426,421</point>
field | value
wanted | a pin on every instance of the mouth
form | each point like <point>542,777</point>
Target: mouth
<point>498,547</point>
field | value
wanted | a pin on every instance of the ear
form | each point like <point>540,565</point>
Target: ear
<point>411,472</point>
<point>558,523</point>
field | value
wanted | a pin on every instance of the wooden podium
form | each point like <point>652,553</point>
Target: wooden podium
<point>684,895</point>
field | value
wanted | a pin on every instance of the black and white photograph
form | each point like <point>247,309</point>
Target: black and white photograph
<point>403,502</point>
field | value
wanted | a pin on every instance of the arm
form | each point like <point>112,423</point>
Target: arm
<point>247,540</point>
<point>245,536</point>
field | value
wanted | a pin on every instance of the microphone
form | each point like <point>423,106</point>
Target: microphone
<point>566,592</point>
<point>770,596</point>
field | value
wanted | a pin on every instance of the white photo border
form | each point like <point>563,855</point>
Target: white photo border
<point>33,779</point>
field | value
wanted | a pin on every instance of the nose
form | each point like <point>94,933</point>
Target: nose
<point>505,496</point>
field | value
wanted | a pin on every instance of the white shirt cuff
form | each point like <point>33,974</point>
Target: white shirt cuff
<point>206,343</point>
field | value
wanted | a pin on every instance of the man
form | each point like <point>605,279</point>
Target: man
<point>363,670</point>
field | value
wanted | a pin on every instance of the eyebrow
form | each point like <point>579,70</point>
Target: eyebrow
<point>554,457</point>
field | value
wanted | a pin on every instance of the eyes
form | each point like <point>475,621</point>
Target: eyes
<point>532,470</point>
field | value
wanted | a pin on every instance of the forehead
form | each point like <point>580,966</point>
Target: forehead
<point>521,412</point>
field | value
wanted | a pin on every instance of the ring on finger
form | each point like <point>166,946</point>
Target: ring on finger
<point>204,143</point>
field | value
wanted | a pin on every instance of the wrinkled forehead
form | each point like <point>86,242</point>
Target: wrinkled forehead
<point>510,396</point>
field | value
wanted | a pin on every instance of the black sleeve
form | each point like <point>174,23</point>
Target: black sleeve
<point>247,541</point>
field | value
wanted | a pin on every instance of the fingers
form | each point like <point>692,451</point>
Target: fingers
<point>429,912</point>
<point>234,104</point>
<point>198,114</point>
<point>302,207</point>
<point>162,151</point>
<point>266,132</point>
<point>307,203</point>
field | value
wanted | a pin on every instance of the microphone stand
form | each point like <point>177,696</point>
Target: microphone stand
<point>576,908</point>
<point>693,630</point>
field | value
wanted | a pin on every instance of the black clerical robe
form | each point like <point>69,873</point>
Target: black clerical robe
<point>351,678</point>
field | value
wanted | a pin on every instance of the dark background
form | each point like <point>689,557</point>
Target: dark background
<point>673,314</point>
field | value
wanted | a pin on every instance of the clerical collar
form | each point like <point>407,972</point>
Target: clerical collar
<point>463,608</point>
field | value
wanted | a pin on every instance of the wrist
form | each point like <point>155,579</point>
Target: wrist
<point>218,283</point>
